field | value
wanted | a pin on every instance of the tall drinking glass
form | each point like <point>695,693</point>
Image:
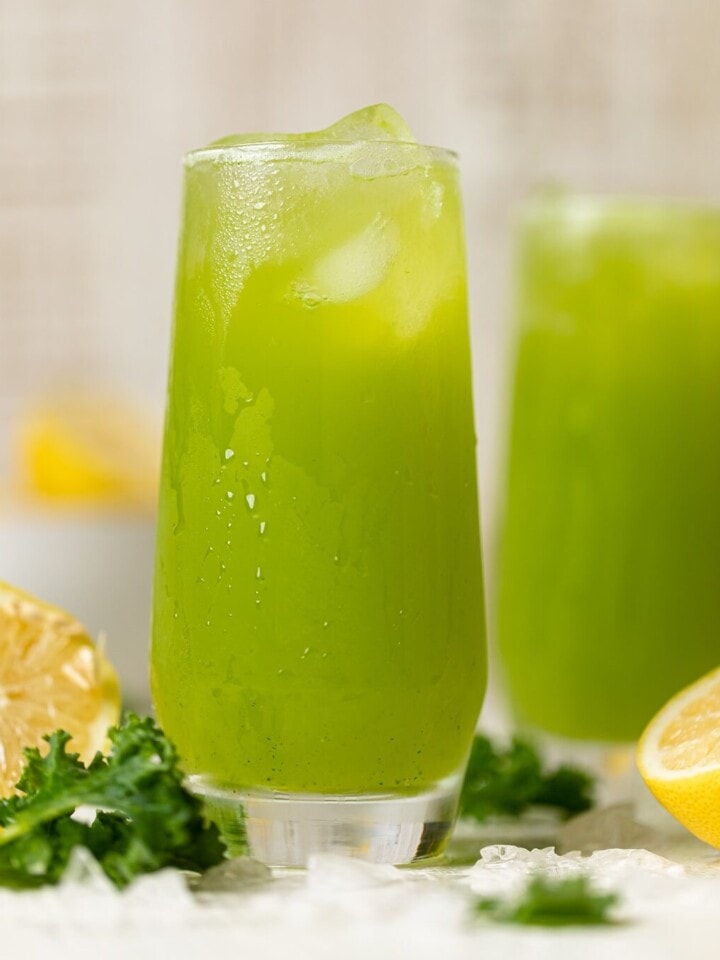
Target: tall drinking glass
<point>610,557</point>
<point>318,639</point>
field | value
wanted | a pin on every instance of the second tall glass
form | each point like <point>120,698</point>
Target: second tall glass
<point>610,557</point>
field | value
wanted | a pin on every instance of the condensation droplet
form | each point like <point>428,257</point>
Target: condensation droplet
<point>230,494</point>
<point>250,500</point>
<point>229,454</point>
<point>262,527</point>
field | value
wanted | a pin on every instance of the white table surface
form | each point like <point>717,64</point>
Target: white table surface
<point>344,909</point>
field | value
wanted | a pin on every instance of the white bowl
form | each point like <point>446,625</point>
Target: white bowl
<point>97,567</point>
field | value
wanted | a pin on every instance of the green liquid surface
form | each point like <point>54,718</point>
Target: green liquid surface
<point>318,621</point>
<point>610,555</point>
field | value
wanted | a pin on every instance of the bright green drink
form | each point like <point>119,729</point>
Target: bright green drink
<point>318,624</point>
<point>610,557</point>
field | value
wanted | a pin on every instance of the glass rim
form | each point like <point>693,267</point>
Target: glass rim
<point>319,150</point>
<point>587,205</point>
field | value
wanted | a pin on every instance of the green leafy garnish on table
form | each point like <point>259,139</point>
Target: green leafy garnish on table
<point>548,902</point>
<point>508,782</point>
<point>145,817</point>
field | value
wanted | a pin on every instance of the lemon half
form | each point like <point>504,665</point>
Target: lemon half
<point>679,757</point>
<point>51,676</point>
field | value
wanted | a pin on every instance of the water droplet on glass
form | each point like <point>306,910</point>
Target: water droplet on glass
<point>259,205</point>
<point>229,454</point>
<point>262,527</point>
<point>230,494</point>
<point>250,500</point>
<point>258,573</point>
<point>325,623</point>
<point>263,477</point>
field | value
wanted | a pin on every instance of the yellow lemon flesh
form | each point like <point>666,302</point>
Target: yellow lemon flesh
<point>679,757</point>
<point>51,676</point>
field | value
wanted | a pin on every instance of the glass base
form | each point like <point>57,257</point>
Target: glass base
<point>285,829</point>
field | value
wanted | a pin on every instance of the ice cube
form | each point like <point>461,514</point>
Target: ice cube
<point>84,871</point>
<point>332,873</point>
<point>352,269</point>
<point>607,827</point>
<point>234,875</point>
<point>377,122</point>
<point>504,869</point>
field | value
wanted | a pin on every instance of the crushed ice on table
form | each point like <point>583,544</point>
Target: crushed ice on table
<point>330,873</point>
<point>644,880</point>
<point>85,896</point>
<point>338,890</point>
<point>337,894</point>
<point>234,876</point>
<point>603,828</point>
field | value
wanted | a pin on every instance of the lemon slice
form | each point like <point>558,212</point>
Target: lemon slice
<point>89,449</point>
<point>51,676</point>
<point>679,757</point>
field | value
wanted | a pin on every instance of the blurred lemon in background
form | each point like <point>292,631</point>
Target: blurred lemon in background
<point>88,450</point>
<point>51,676</point>
<point>679,757</point>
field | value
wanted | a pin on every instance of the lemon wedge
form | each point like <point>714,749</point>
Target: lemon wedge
<point>679,757</point>
<point>51,676</point>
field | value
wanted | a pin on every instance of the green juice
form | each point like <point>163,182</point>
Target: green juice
<point>318,622</point>
<point>610,554</point>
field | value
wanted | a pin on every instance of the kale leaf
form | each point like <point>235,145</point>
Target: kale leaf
<point>508,782</point>
<point>551,903</point>
<point>145,819</point>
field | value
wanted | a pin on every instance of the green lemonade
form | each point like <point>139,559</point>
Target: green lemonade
<point>318,622</point>
<point>610,554</point>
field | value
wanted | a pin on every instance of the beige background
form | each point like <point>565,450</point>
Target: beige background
<point>98,100</point>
